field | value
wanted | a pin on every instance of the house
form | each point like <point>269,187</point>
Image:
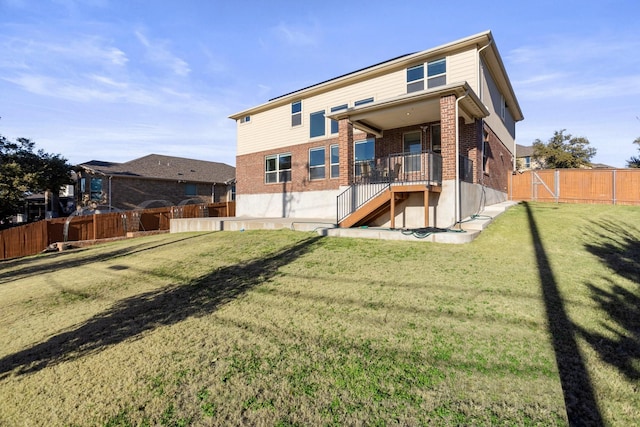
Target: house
<point>380,146</point>
<point>153,179</point>
<point>524,158</point>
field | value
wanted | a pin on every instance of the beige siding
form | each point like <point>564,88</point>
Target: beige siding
<point>491,97</point>
<point>272,129</point>
<point>463,66</point>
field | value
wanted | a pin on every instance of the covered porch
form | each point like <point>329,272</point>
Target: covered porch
<point>412,147</point>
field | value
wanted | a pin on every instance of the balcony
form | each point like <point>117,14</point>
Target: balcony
<point>400,168</point>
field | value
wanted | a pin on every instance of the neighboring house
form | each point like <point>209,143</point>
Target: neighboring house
<point>378,146</point>
<point>524,158</point>
<point>154,180</point>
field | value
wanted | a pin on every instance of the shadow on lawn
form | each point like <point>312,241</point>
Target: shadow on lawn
<point>619,250</point>
<point>579,398</point>
<point>132,316</point>
<point>32,266</point>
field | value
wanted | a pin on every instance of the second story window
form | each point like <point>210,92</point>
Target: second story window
<point>363,101</point>
<point>415,78</point>
<point>296,113</point>
<point>437,73</point>
<point>316,124</point>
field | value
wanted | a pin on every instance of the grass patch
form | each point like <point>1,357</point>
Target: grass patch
<point>284,328</point>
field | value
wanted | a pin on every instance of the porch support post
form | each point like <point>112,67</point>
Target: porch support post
<point>345,151</point>
<point>448,124</point>
<point>426,208</point>
<point>393,210</point>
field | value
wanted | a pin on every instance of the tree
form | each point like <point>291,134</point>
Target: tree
<point>634,162</point>
<point>563,151</point>
<point>23,171</point>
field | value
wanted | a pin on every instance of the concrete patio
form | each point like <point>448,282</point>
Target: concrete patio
<point>470,227</point>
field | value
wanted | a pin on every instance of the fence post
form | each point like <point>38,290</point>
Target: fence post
<point>557,185</point>
<point>614,187</point>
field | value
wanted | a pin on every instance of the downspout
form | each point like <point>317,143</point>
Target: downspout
<point>457,192</point>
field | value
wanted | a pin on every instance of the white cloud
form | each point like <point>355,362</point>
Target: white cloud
<point>159,53</point>
<point>296,36</point>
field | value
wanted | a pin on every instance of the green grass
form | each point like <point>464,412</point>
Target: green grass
<point>284,328</point>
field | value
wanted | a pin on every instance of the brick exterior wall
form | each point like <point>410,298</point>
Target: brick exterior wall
<point>129,193</point>
<point>251,167</point>
<point>448,136</point>
<point>499,163</point>
<point>471,145</point>
<point>250,170</point>
<point>346,151</point>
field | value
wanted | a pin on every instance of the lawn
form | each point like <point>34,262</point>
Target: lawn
<point>536,322</point>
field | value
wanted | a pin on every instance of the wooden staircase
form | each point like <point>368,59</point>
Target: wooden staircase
<point>386,202</point>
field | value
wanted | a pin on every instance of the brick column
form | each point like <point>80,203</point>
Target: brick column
<point>448,136</point>
<point>345,151</point>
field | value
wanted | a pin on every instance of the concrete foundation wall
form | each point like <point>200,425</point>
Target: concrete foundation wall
<point>475,197</point>
<point>307,204</point>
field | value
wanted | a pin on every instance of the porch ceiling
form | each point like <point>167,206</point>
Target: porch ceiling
<point>412,109</point>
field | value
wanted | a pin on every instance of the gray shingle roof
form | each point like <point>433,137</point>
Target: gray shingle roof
<point>156,166</point>
<point>523,150</point>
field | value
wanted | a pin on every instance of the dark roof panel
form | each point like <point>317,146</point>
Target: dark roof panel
<point>156,166</point>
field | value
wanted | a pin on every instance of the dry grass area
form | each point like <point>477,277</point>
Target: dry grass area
<point>282,328</point>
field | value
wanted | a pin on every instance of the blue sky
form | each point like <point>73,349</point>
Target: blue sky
<point>119,79</point>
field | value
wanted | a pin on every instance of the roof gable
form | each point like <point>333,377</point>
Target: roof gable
<point>477,41</point>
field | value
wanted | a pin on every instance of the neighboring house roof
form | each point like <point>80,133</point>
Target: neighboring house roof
<point>484,39</point>
<point>156,166</point>
<point>524,151</point>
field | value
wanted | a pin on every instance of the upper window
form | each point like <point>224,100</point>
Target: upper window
<point>437,73</point>
<point>296,113</point>
<point>277,168</point>
<point>335,126</point>
<point>363,101</point>
<point>335,161</point>
<point>415,78</point>
<point>316,121</point>
<point>316,163</point>
<point>503,106</point>
<point>245,119</point>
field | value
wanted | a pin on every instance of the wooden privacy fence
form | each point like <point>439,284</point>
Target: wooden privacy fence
<point>33,238</point>
<point>599,186</point>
